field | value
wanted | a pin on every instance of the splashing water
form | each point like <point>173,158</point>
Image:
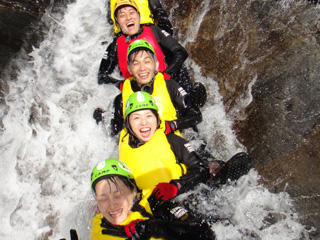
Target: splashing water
<point>50,142</point>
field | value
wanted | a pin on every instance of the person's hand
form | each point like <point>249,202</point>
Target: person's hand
<point>97,115</point>
<point>163,21</point>
<point>163,192</point>
<point>170,127</point>
<point>165,24</point>
<point>166,191</point>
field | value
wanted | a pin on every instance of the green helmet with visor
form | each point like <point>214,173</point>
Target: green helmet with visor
<point>108,168</point>
<point>139,44</point>
<point>138,101</point>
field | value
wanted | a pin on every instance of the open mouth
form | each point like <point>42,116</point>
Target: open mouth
<point>130,25</point>
<point>145,132</point>
<point>116,213</point>
<point>144,75</point>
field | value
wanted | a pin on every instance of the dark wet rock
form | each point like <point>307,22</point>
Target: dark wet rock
<point>19,25</point>
<point>271,49</point>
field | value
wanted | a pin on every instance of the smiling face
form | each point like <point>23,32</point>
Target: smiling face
<point>114,199</point>
<point>142,66</point>
<point>128,20</point>
<point>143,123</point>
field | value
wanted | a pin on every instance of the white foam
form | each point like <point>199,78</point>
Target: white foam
<point>50,141</point>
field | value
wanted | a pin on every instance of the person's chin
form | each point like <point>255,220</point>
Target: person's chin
<point>144,81</point>
<point>132,31</point>
<point>117,220</point>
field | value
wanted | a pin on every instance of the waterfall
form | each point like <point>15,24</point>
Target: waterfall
<point>50,142</point>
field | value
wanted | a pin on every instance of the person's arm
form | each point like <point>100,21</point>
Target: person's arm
<point>117,120</point>
<point>160,16</point>
<point>175,53</point>
<point>187,115</point>
<point>197,169</point>
<point>157,228</point>
<point>109,13</point>
<point>108,64</point>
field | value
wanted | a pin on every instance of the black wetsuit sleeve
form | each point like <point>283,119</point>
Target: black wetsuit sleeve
<point>175,53</point>
<point>154,4</point>
<point>160,16</point>
<point>197,169</point>
<point>109,13</point>
<point>108,64</point>
<point>117,122</point>
<point>187,115</point>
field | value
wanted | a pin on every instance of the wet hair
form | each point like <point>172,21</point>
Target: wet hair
<point>136,51</point>
<point>123,6</point>
<point>134,142</point>
<point>129,183</point>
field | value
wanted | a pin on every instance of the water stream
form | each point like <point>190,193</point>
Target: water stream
<point>50,142</point>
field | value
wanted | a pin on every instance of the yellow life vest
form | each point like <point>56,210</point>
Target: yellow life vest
<point>151,163</point>
<point>167,111</point>
<point>144,11</point>
<point>96,229</point>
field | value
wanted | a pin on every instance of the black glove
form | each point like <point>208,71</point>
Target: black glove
<point>162,20</point>
<point>97,115</point>
<point>197,96</point>
<point>73,235</point>
<point>165,24</point>
<point>170,127</point>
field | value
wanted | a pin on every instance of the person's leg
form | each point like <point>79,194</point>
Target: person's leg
<point>197,91</point>
<point>117,120</point>
<point>232,170</point>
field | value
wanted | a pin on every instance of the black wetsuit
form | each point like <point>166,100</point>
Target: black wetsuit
<point>174,54</point>
<point>187,115</point>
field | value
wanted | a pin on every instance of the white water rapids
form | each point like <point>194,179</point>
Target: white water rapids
<point>50,142</point>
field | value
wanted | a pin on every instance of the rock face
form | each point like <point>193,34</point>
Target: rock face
<point>271,49</point>
<point>265,53</point>
<point>18,25</point>
<point>16,18</point>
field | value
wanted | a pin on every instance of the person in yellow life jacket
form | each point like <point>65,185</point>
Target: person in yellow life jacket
<point>167,163</point>
<point>175,105</point>
<point>125,212</point>
<point>151,12</point>
<point>170,54</point>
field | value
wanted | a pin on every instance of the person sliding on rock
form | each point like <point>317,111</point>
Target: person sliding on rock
<point>170,54</point>
<point>167,162</point>
<point>151,11</point>
<point>125,211</point>
<point>177,111</point>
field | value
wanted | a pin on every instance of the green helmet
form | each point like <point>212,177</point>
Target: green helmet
<point>139,100</point>
<point>139,44</point>
<point>107,168</point>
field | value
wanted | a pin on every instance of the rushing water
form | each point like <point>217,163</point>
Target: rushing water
<point>50,142</point>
